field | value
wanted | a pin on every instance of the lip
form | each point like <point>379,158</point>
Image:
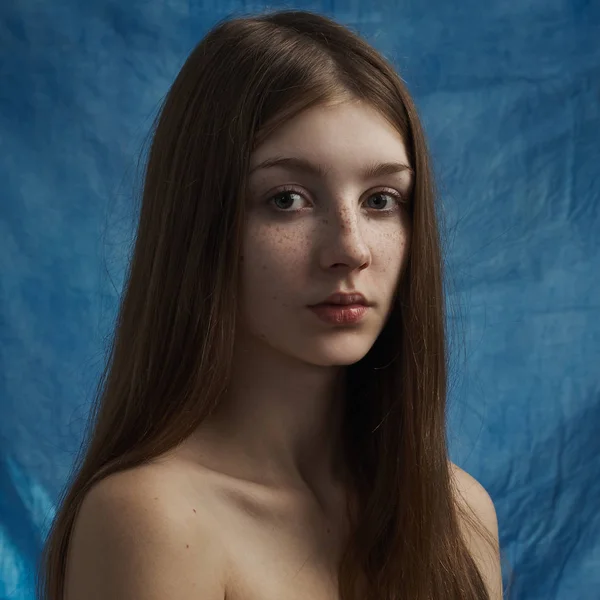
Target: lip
<point>338,314</point>
<point>343,299</point>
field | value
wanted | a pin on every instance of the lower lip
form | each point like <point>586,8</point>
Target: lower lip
<point>338,314</point>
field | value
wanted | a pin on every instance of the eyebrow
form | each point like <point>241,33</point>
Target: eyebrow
<point>371,171</point>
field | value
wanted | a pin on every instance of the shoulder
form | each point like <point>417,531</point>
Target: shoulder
<point>471,493</point>
<point>137,535</point>
<point>474,499</point>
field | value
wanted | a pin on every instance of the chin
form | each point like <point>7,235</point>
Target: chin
<point>337,356</point>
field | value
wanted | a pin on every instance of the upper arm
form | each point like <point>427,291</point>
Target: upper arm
<point>487,556</point>
<point>133,542</point>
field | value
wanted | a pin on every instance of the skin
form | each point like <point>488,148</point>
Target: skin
<point>337,231</point>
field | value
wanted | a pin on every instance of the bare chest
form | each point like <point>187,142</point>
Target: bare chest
<point>274,556</point>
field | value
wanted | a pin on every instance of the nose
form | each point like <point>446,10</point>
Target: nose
<point>343,240</point>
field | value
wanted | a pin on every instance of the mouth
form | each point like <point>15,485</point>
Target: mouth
<point>344,299</point>
<point>340,305</point>
<point>340,314</point>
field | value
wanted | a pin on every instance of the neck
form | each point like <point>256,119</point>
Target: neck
<point>280,424</point>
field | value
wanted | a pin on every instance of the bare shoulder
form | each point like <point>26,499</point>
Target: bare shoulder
<point>474,494</point>
<point>484,546</point>
<point>138,534</point>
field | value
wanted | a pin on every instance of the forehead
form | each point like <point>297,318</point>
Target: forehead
<point>346,135</point>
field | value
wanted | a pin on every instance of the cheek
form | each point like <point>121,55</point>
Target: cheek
<point>275,247</point>
<point>389,249</point>
<point>399,248</point>
<point>272,258</point>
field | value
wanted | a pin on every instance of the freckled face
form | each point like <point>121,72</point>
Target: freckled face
<point>309,234</point>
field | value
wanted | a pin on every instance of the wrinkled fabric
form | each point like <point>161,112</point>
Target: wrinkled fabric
<point>509,95</point>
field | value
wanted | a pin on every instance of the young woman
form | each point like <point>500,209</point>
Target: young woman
<point>271,421</point>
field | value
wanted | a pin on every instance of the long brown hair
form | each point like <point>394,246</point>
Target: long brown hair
<point>175,327</point>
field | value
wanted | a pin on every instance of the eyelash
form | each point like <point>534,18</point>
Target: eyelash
<point>399,199</point>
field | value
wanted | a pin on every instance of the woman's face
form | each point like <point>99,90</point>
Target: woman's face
<point>338,229</point>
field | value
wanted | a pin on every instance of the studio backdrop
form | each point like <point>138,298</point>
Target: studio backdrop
<point>509,94</point>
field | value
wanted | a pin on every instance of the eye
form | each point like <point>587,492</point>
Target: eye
<point>287,194</point>
<point>396,199</point>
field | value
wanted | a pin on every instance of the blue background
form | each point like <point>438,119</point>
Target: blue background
<point>509,94</point>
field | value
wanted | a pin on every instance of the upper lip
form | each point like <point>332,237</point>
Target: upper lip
<point>344,298</point>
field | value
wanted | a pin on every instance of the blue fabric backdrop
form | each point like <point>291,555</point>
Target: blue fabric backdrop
<point>509,93</point>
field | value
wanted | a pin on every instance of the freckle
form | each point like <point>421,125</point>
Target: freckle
<point>156,498</point>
